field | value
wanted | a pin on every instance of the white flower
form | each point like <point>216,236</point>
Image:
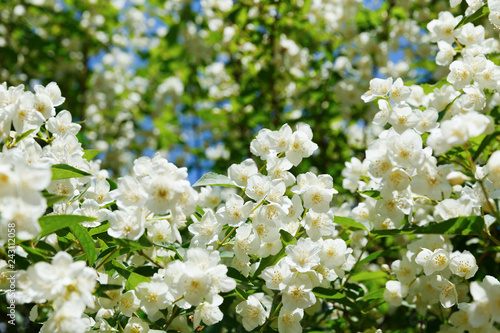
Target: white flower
<point>300,145</point>
<point>433,261</point>
<point>289,320</point>
<point>443,27</point>
<point>245,242</point>
<point>136,325</point>
<point>333,252</point>
<point>406,148</point>
<point>303,256</point>
<point>208,312</point>
<point>461,74</point>
<point>469,34</point>
<point>67,318</point>
<point>126,224</point>
<point>62,124</point>
<point>240,173</point>
<point>405,270</point>
<point>235,212</point>
<point>207,230</point>
<point>394,292</point>
<point>399,92</point>
<point>129,303</point>
<point>280,139</point>
<point>447,291</point>
<point>252,312</point>
<point>463,264</point>
<point>298,293</point>
<point>493,169</point>
<point>446,53</point>
<point>154,295</point>
<point>277,276</point>
<point>129,193</point>
<point>257,187</point>
<point>52,90</point>
<point>261,145</point>
<point>91,208</point>
<point>194,284</point>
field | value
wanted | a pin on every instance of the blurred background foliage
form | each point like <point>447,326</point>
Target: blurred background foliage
<point>195,80</point>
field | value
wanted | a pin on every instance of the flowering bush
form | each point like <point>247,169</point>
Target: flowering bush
<point>264,246</point>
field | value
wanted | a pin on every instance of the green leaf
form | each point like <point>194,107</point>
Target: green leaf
<point>476,16</point>
<point>241,293</point>
<point>445,110</point>
<point>348,222</point>
<point>235,274</point>
<point>371,194</point>
<point>133,279</point>
<point>429,88</point>
<point>25,134</point>
<point>470,225</point>
<point>33,254</point>
<point>331,294</point>
<point>379,293</point>
<point>327,293</point>
<point>214,179</point>
<point>63,171</point>
<point>100,291</point>
<point>373,256</point>
<point>100,229</point>
<point>112,184</point>
<point>86,241</point>
<point>53,198</point>
<point>51,223</point>
<point>365,276</point>
<point>483,145</point>
<point>89,154</point>
<point>287,238</point>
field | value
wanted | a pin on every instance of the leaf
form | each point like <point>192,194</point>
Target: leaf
<point>100,291</point>
<point>348,222</point>
<point>133,279</point>
<point>53,198</point>
<point>287,238</point>
<point>371,194</point>
<point>470,225</point>
<point>327,293</point>
<point>51,223</point>
<point>235,274</point>
<point>269,261</point>
<point>331,294</point>
<point>476,16</point>
<point>100,229</point>
<point>241,293</point>
<point>373,256</point>
<point>379,293</point>
<point>86,241</point>
<point>365,276</point>
<point>214,179</point>
<point>89,154</point>
<point>445,110</point>
<point>112,184</point>
<point>483,145</point>
<point>25,134</point>
<point>429,88</point>
<point>63,171</point>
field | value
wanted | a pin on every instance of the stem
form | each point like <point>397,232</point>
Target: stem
<point>271,317</point>
<point>149,258</point>
<point>355,264</point>
<point>107,257</point>
<point>225,238</point>
<point>172,316</point>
